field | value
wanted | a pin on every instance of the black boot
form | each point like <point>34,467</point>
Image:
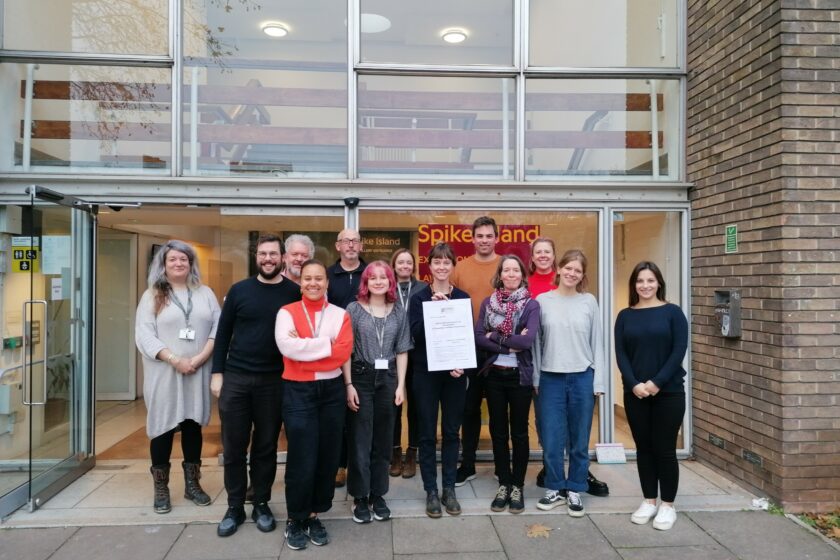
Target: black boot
<point>596,487</point>
<point>192,489</point>
<point>160,475</point>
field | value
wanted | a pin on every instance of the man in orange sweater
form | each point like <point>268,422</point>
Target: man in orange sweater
<point>474,275</point>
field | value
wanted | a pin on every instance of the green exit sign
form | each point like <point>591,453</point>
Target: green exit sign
<point>731,245</point>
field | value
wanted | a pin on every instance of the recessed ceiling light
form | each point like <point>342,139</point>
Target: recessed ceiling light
<point>374,23</point>
<point>275,29</point>
<point>454,35</point>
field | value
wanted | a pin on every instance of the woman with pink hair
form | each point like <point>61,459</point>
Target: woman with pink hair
<point>375,380</point>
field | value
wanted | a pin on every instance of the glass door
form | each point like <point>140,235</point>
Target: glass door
<point>46,371</point>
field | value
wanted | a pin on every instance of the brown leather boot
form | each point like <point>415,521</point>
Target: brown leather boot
<point>160,475</point>
<point>410,464</point>
<point>396,462</point>
<point>192,489</point>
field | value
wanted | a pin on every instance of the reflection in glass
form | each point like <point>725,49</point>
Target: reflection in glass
<point>102,119</point>
<point>604,33</point>
<point>435,125</point>
<point>418,36</point>
<point>638,236</point>
<point>258,101</point>
<point>87,26</point>
<point>602,127</point>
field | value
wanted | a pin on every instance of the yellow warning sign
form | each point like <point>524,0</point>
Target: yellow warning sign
<point>25,254</point>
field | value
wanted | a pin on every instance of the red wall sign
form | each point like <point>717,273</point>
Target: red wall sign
<point>512,239</point>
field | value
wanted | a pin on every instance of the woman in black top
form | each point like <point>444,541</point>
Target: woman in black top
<point>437,389</point>
<point>405,267</point>
<point>651,337</point>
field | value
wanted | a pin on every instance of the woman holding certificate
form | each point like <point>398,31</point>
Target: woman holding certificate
<point>507,326</point>
<point>375,383</point>
<point>570,356</point>
<point>444,390</point>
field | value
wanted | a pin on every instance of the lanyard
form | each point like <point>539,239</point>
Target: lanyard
<point>315,330</point>
<point>180,305</point>
<point>404,298</point>
<point>380,333</point>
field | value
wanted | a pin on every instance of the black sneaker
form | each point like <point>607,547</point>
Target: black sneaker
<point>263,517</point>
<point>433,504</point>
<point>450,502</point>
<point>295,537</point>
<point>361,510</point>
<point>517,501</point>
<point>465,473</point>
<point>234,517</point>
<point>501,500</point>
<point>315,530</point>
<point>575,505</point>
<point>596,487</point>
<point>541,478</point>
<point>379,508</point>
<point>551,500</point>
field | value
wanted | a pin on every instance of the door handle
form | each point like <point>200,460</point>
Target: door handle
<point>27,373</point>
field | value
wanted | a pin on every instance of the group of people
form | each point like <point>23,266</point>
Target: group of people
<point>334,352</point>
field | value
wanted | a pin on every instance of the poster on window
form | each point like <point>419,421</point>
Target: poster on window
<point>514,239</point>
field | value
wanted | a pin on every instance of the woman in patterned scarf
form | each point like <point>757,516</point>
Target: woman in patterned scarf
<point>507,326</point>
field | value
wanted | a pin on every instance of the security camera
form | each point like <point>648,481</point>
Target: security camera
<point>351,202</point>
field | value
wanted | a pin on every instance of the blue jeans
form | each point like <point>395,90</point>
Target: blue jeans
<point>566,405</point>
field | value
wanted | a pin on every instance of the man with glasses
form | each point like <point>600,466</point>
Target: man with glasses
<point>250,398</point>
<point>344,277</point>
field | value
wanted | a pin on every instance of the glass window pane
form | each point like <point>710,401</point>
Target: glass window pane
<point>604,33</point>
<point>643,236</point>
<point>85,119</point>
<point>87,26</point>
<point>435,125</point>
<point>440,32</point>
<point>256,103</point>
<point>602,127</point>
<point>418,230</point>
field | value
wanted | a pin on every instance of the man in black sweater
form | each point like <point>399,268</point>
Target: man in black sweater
<point>250,398</point>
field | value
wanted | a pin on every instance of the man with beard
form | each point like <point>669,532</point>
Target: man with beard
<point>299,249</point>
<point>247,380</point>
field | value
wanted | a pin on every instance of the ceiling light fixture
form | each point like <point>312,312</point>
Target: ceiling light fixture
<point>275,29</point>
<point>454,35</point>
<point>374,23</point>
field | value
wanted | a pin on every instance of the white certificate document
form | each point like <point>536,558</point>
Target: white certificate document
<point>450,335</point>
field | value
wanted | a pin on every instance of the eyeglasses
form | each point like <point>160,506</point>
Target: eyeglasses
<point>271,255</point>
<point>347,241</point>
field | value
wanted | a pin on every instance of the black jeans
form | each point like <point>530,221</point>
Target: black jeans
<point>439,391</point>
<point>410,414</point>
<point>508,403</point>
<point>313,412</point>
<point>160,447</point>
<point>370,431</point>
<point>471,430</point>
<point>655,422</point>
<point>250,402</point>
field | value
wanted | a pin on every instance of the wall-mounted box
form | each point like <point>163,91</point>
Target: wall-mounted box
<point>728,312</point>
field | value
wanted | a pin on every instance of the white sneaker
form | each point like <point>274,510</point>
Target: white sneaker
<point>574,505</point>
<point>644,514</point>
<point>666,518</point>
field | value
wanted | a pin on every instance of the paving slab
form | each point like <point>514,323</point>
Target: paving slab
<point>572,538</point>
<point>199,541</point>
<point>445,535</point>
<point>32,544</point>
<point>621,533</point>
<point>149,542</point>
<point>712,552</point>
<point>453,556</point>
<point>758,535</point>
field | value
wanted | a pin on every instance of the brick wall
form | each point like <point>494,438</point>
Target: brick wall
<point>763,150</point>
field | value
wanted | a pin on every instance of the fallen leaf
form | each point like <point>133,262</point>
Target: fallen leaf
<point>538,530</point>
<point>835,532</point>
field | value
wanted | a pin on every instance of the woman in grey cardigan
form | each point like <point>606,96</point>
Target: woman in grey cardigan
<point>175,329</point>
